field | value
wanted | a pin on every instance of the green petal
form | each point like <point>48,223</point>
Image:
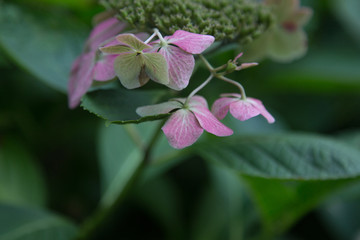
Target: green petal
<point>156,67</point>
<point>117,49</point>
<point>129,67</point>
<point>302,16</point>
<point>285,47</point>
<point>132,41</point>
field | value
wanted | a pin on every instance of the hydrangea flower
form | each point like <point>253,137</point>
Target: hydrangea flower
<point>91,64</point>
<point>240,109</point>
<point>133,65</point>
<point>103,31</point>
<point>178,50</point>
<point>188,120</point>
<point>286,39</point>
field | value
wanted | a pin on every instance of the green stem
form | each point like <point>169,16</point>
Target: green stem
<point>104,212</point>
<point>207,64</point>
<point>220,68</point>
<point>162,40</point>
<point>241,88</point>
<point>198,89</point>
<point>134,135</point>
<point>152,142</point>
<point>151,37</point>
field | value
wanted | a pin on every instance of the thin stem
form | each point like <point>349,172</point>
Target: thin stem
<point>102,214</point>
<point>133,133</point>
<point>162,40</point>
<point>150,38</point>
<point>153,141</point>
<point>242,90</point>
<point>207,64</point>
<point>198,89</point>
<point>220,68</point>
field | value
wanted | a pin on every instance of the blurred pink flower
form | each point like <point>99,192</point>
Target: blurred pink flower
<point>285,40</point>
<point>91,64</point>
<point>187,122</point>
<point>178,54</point>
<point>239,108</point>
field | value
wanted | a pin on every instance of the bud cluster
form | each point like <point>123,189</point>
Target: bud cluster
<point>227,20</point>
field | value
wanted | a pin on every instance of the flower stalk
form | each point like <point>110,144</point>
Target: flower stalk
<point>198,89</point>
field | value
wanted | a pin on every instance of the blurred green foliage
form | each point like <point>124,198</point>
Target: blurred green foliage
<point>54,161</point>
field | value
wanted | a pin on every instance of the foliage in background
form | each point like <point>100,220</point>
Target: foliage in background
<point>256,184</point>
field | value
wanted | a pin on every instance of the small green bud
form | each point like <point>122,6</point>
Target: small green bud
<point>231,67</point>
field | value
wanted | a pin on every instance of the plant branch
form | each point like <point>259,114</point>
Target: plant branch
<point>241,88</point>
<point>198,89</point>
<point>207,64</point>
<point>104,212</point>
<point>152,142</point>
<point>134,135</point>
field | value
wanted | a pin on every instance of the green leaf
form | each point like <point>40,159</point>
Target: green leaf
<point>319,71</point>
<point>3,61</point>
<point>156,67</point>
<point>161,198</point>
<point>120,154</point>
<point>21,181</point>
<point>132,41</point>
<point>118,106</point>
<point>44,43</point>
<point>20,223</point>
<point>79,4</point>
<point>341,213</point>
<point>348,13</point>
<point>282,203</point>
<point>288,156</point>
<point>225,210</point>
<point>352,137</point>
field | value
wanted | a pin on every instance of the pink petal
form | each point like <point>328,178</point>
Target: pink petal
<point>75,66</point>
<point>197,101</point>
<point>208,122</point>
<point>103,26</point>
<point>235,95</point>
<point>104,69</point>
<point>104,31</point>
<point>221,107</point>
<point>142,36</point>
<point>81,82</point>
<point>74,70</point>
<point>182,129</point>
<point>181,65</point>
<point>190,42</point>
<point>72,81</point>
<point>262,109</point>
<point>251,107</point>
<point>111,43</point>
<point>237,57</point>
<point>156,109</point>
<point>243,110</point>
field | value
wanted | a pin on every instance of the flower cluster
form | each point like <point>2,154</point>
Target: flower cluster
<point>285,40</point>
<point>168,60</point>
<point>191,116</point>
